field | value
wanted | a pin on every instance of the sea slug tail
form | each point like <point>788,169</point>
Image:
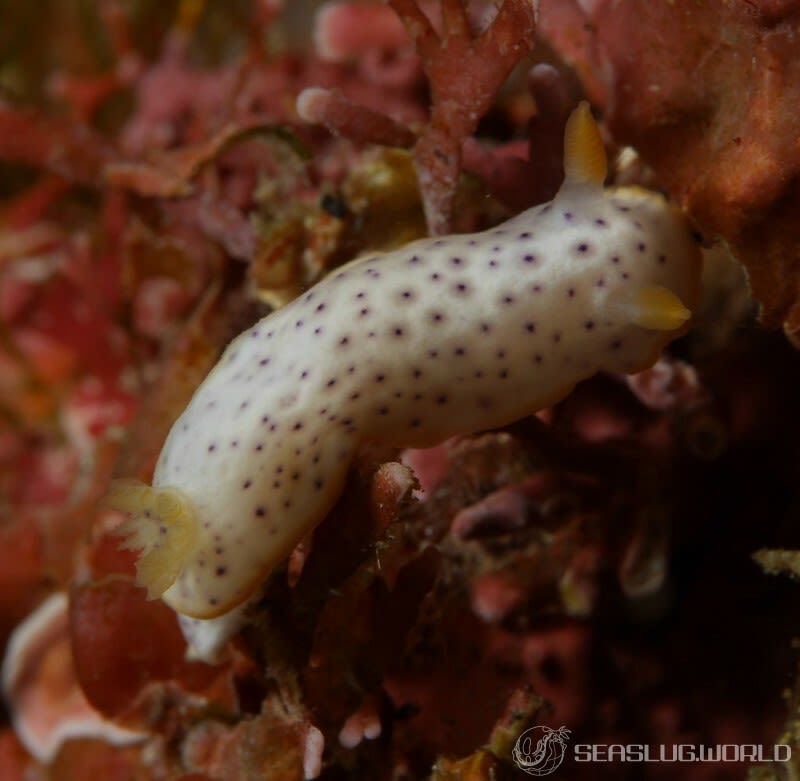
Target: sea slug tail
<point>163,526</point>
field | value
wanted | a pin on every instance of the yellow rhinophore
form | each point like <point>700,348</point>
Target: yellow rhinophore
<point>584,152</point>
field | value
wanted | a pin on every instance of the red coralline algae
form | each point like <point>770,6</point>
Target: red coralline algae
<point>669,384</point>
<point>460,93</point>
<point>343,31</point>
<point>464,72</point>
<point>495,598</point>
<point>364,724</point>
<point>170,172</point>
<point>23,582</point>
<point>278,743</point>
<point>123,643</point>
<point>40,686</point>
<point>65,147</point>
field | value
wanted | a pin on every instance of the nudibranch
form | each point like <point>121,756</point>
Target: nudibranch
<point>445,336</point>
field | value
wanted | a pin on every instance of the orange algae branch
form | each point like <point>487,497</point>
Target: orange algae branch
<point>171,174</point>
<point>65,147</point>
<point>352,120</point>
<point>465,72</point>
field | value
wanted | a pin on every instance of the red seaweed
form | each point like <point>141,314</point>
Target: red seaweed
<point>465,72</point>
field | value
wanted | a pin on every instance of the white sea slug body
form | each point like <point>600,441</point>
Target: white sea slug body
<point>445,336</point>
